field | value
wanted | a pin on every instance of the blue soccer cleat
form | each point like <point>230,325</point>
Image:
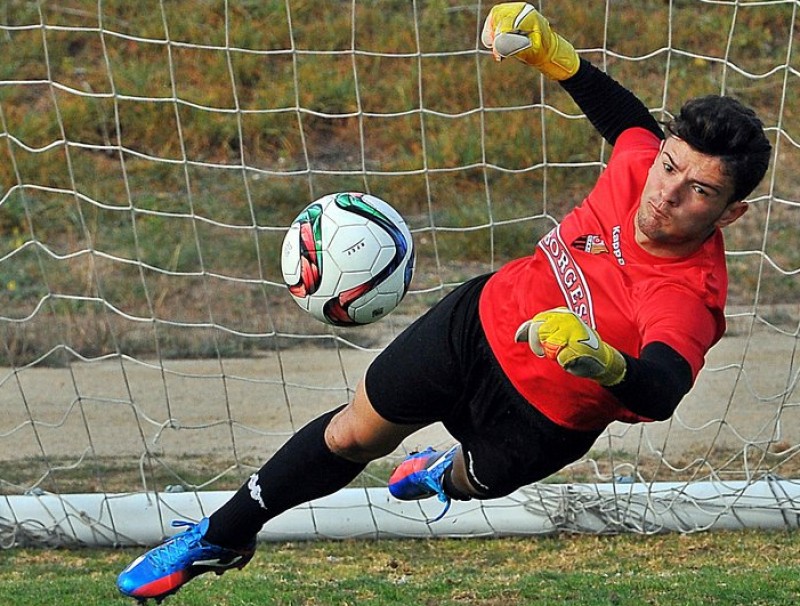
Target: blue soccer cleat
<point>165,569</point>
<point>421,476</point>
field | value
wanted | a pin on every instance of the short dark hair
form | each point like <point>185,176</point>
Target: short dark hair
<point>723,127</point>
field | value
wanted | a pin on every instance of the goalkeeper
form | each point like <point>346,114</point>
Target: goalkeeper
<point>609,319</point>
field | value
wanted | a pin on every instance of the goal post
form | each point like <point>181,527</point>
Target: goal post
<point>152,156</point>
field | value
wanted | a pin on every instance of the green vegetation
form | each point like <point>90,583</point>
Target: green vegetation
<point>741,569</point>
<point>196,135</point>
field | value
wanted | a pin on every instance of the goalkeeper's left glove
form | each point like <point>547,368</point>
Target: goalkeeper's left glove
<point>517,29</point>
<point>561,335</point>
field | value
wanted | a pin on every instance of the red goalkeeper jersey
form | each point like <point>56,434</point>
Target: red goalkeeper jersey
<point>592,264</point>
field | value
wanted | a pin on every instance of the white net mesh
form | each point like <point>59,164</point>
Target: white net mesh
<point>153,153</point>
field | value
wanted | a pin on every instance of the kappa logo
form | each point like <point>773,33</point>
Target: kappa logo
<point>255,491</point>
<point>590,243</point>
<point>616,244</point>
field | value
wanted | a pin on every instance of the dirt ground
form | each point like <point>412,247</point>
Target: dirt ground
<point>236,409</point>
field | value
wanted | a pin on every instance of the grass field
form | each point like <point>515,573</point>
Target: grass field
<point>725,568</point>
<point>137,176</point>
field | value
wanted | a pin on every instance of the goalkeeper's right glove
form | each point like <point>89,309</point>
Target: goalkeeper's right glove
<point>561,335</point>
<point>517,29</point>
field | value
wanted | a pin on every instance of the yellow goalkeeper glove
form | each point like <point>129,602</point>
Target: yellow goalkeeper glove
<point>561,335</point>
<point>519,30</point>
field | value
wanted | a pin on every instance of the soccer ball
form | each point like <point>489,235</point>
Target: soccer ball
<point>348,259</point>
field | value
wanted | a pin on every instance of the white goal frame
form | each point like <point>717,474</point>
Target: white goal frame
<point>146,334</point>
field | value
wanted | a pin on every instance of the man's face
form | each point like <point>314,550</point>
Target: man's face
<point>686,196</point>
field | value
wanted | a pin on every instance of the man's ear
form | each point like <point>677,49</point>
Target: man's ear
<point>732,212</point>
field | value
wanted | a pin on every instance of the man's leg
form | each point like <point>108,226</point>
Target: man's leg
<point>318,460</point>
<point>321,458</point>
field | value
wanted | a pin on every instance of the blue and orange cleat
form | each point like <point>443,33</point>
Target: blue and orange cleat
<point>165,569</point>
<point>421,476</point>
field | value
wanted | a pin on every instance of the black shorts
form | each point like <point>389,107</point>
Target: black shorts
<point>441,368</point>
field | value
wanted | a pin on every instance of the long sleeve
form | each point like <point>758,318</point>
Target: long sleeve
<point>654,383</point>
<point>609,106</point>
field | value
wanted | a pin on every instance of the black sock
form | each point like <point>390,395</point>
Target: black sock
<point>302,470</point>
<point>450,488</point>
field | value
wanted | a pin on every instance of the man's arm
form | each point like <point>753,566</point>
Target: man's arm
<point>651,385</point>
<point>655,382</point>
<point>609,106</point>
<point>517,29</point>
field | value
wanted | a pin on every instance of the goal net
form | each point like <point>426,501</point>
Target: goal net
<point>152,155</point>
